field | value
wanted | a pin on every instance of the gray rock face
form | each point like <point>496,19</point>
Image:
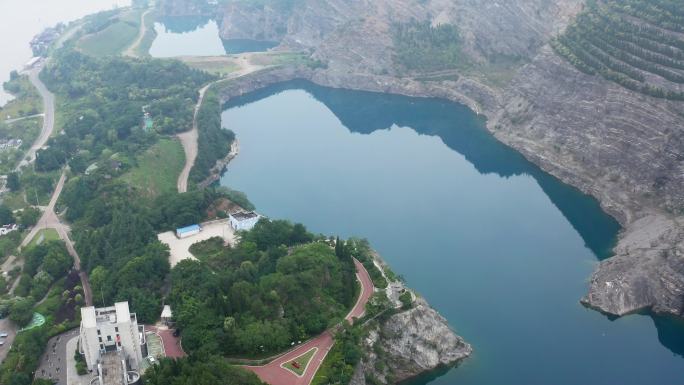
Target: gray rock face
<point>262,23</point>
<point>355,35</point>
<point>647,271</point>
<point>624,148</point>
<point>408,344</point>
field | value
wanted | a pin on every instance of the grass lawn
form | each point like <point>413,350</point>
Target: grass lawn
<point>302,361</point>
<point>27,102</point>
<point>38,320</point>
<point>280,58</point>
<point>43,236</point>
<point>114,39</point>
<point>215,65</point>
<point>158,168</point>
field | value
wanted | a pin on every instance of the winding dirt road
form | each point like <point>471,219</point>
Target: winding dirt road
<point>189,141</point>
<point>189,138</point>
<point>130,51</point>
<point>274,374</point>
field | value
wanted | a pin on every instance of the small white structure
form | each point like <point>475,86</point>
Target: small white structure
<point>243,220</point>
<point>110,330</point>
<point>34,60</point>
<point>6,229</point>
<point>189,231</point>
<point>167,315</point>
<point>11,143</point>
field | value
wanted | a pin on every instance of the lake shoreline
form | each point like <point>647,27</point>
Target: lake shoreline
<point>485,101</point>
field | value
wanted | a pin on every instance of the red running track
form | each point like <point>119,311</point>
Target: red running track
<point>272,373</point>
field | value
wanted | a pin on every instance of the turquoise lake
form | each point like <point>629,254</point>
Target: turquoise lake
<point>498,247</point>
<point>198,36</point>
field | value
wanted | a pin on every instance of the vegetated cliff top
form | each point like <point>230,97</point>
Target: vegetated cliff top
<point>638,44</point>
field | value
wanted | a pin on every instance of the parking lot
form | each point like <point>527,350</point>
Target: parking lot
<point>180,248</point>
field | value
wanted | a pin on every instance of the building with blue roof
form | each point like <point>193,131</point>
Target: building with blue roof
<point>188,231</point>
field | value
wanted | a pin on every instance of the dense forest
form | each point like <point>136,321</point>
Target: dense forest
<point>425,48</point>
<point>276,287</point>
<point>632,43</point>
<point>103,101</point>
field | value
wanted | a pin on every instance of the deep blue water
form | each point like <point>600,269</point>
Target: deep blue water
<point>500,248</point>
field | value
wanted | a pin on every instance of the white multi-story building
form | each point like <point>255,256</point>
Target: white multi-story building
<point>243,220</point>
<point>111,330</point>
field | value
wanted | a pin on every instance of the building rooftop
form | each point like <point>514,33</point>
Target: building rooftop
<point>187,229</point>
<point>242,216</point>
<point>166,312</point>
<point>91,316</point>
<point>112,369</point>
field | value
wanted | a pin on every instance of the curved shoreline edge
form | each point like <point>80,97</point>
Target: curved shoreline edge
<point>611,287</point>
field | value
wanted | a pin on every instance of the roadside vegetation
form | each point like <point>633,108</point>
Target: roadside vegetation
<point>196,370</point>
<point>635,43</point>
<point>26,103</point>
<point>26,100</point>
<point>213,140</point>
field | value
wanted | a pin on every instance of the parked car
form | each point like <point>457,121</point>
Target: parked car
<point>3,335</point>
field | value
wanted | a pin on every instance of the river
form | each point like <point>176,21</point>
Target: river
<point>21,20</point>
<point>500,248</point>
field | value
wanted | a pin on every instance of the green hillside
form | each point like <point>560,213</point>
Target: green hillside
<point>638,44</point>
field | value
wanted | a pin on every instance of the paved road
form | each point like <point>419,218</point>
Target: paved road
<point>50,220</point>
<point>53,363</point>
<point>48,118</point>
<point>272,373</point>
<point>7,326</point>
